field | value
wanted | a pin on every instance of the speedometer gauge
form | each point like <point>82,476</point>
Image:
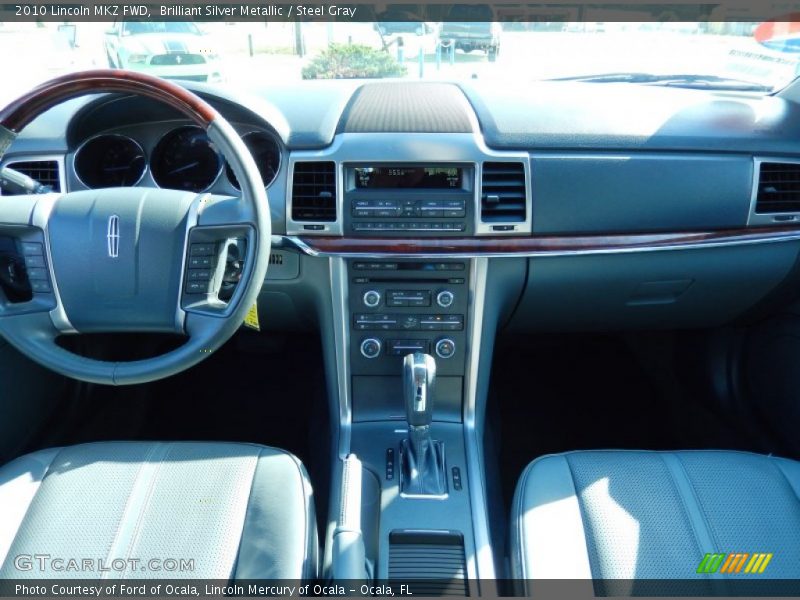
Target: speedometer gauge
<point>266,153</point>
<point>185,159</point>
<point>110,161</point>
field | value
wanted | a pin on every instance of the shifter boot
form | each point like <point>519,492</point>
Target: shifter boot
<point>422,468</point>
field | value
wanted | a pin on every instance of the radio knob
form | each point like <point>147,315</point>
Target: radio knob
<point>445,348</point>
<point>371,298</point>
<point>445,299</point>
<point>370,348</point>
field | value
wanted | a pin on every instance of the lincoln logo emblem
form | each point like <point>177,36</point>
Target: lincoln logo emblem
<point>113,236</point>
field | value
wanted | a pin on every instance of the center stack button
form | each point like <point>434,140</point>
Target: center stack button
<point>370,348</point>
<point>445,298</point>
<point>371,298</point>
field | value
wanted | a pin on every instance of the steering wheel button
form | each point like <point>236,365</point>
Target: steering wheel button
<point>32,249</point>
<point>199,274</point>
<point>40,286</point>
<point>34,261</point>
<point>197,287</point>
<point>202,250</point>
<point>199,262</point>
<point>37,273</point>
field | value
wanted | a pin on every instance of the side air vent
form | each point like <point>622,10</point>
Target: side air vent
<point>314,191</point>
<point>503,192</point>
<point>45,172</point>
<point>778,188</point>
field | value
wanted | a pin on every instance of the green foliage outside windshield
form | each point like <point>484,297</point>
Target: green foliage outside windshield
<point>342,61</point>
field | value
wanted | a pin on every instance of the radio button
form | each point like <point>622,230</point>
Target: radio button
<point>431,323</point>
<point>445,299</point>
<point>370,348</point>
<point>371,298</point>
<point>403,347</point>
<point>410,323</point>
<point>445,348</point>
<point>453,323</point>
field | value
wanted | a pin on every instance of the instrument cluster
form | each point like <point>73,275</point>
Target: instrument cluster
<point>184,158</point>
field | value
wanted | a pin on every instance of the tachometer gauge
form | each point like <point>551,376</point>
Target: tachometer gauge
<point>110,161</point>
<point>185,159</point>
<point>266,152</point>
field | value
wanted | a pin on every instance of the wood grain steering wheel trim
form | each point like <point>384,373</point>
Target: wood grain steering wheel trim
<point>26,108</point>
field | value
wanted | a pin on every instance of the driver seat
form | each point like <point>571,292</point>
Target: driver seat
<point>229,511</point>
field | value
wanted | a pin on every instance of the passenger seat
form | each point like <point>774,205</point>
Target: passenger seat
<point>634,515</point>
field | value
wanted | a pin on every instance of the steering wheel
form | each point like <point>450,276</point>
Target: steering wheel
<point>131,259</point>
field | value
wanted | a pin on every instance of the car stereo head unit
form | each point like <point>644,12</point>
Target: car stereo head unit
<point>418,178</point>
<point>409,199</point>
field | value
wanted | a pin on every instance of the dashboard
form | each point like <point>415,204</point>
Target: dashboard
<point>635,197</point>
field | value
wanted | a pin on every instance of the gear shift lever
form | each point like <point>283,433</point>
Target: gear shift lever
<point>419,379</point>
<point>422,458</point>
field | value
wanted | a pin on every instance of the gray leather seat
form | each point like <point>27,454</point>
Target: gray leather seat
<point>239,511</point>
<point>632,515</point>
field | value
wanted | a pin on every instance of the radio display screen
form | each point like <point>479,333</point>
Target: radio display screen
<point>423,178</point>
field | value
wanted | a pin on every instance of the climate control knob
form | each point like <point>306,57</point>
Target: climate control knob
<point>370,348</point>
<point>445,299</point>
<point>445,348</point>
<point>371,298</point>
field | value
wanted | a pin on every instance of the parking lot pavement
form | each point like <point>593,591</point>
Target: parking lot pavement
<point>265,52</point>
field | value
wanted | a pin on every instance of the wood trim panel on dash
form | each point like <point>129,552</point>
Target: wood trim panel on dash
<point>26,108</point>
<point>545,244</point>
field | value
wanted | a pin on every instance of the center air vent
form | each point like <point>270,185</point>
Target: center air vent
<point>778,188</point>
<point>314,191</point>
<point>503,192</point>
<point>45,172</point>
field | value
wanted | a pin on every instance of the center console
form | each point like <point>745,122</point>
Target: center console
<point>412,501</point>
<point>407,322</point>
<point>398,307</point>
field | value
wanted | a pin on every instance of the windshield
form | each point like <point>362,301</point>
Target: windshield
<point>396,43</point>
<point>467,12</point>
<point>142,27</point>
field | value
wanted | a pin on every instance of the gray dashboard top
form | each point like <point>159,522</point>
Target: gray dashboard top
<point>623,116</point>
<point>536,116</point>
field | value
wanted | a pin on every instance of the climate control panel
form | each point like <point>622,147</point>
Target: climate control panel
<point>399,307</point>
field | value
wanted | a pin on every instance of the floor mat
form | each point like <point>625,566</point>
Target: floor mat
<point>562,393</point>
<point>257,388</point>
